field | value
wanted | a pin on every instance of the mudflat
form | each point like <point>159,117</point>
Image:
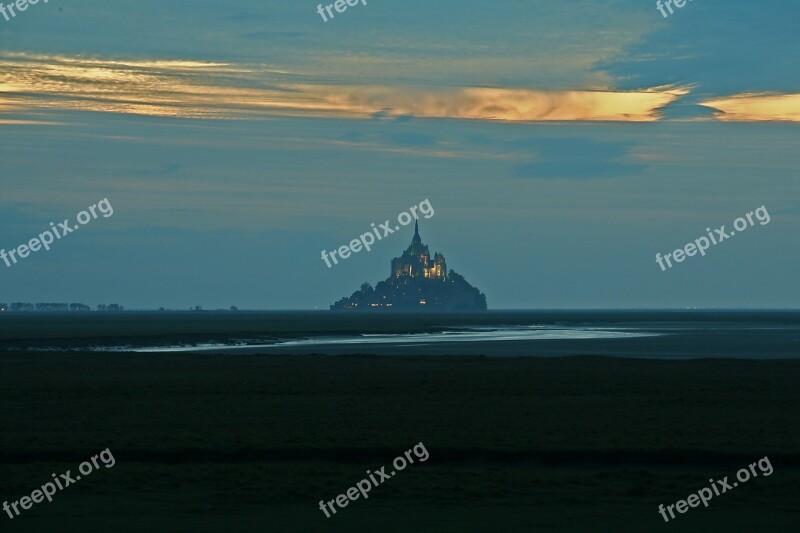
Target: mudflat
<point>254,442</point>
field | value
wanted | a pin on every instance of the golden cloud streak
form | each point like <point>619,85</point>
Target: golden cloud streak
<point>511,105</point>
<point>757,107</point>
<point>193,89</point>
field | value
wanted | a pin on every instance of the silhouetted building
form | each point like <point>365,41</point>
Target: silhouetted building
<point>416,283</point>
<point>416,261</point>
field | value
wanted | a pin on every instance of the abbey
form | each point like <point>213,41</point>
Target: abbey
<point>416,261</point>
<point>416,283</point>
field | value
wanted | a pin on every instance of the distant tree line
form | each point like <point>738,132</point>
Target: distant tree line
<point>22,307</point>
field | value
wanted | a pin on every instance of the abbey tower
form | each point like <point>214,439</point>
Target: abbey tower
<point>416,261</point>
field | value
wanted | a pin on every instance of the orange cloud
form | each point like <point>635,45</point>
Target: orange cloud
<point>757,107</point>
<point>512,105</point>
<point>194,89</point>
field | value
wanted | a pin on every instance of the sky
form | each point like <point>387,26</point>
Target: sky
<point>562,145</point>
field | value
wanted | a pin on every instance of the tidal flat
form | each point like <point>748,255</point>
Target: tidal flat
<point>248,443</point>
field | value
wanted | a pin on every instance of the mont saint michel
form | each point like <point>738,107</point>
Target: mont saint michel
<point>416,283</point>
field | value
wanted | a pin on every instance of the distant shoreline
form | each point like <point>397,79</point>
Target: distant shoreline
<point>652,334</point>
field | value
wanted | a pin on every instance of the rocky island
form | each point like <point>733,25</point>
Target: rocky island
<point>416,283</point>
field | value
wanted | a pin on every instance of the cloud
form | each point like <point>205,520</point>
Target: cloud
<point>726,48</point>
<point>26,122</point>
<point>196,89</point>
<point>167,88</point>
<point>201,89</point>
<point>509,105</point>
<point>757,107</point>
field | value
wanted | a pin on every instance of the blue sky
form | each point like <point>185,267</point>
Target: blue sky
<point>562,146</point>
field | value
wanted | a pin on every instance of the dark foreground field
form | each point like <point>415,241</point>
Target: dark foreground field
<point>250,443</point>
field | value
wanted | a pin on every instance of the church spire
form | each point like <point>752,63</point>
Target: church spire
<point>416,232</point>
